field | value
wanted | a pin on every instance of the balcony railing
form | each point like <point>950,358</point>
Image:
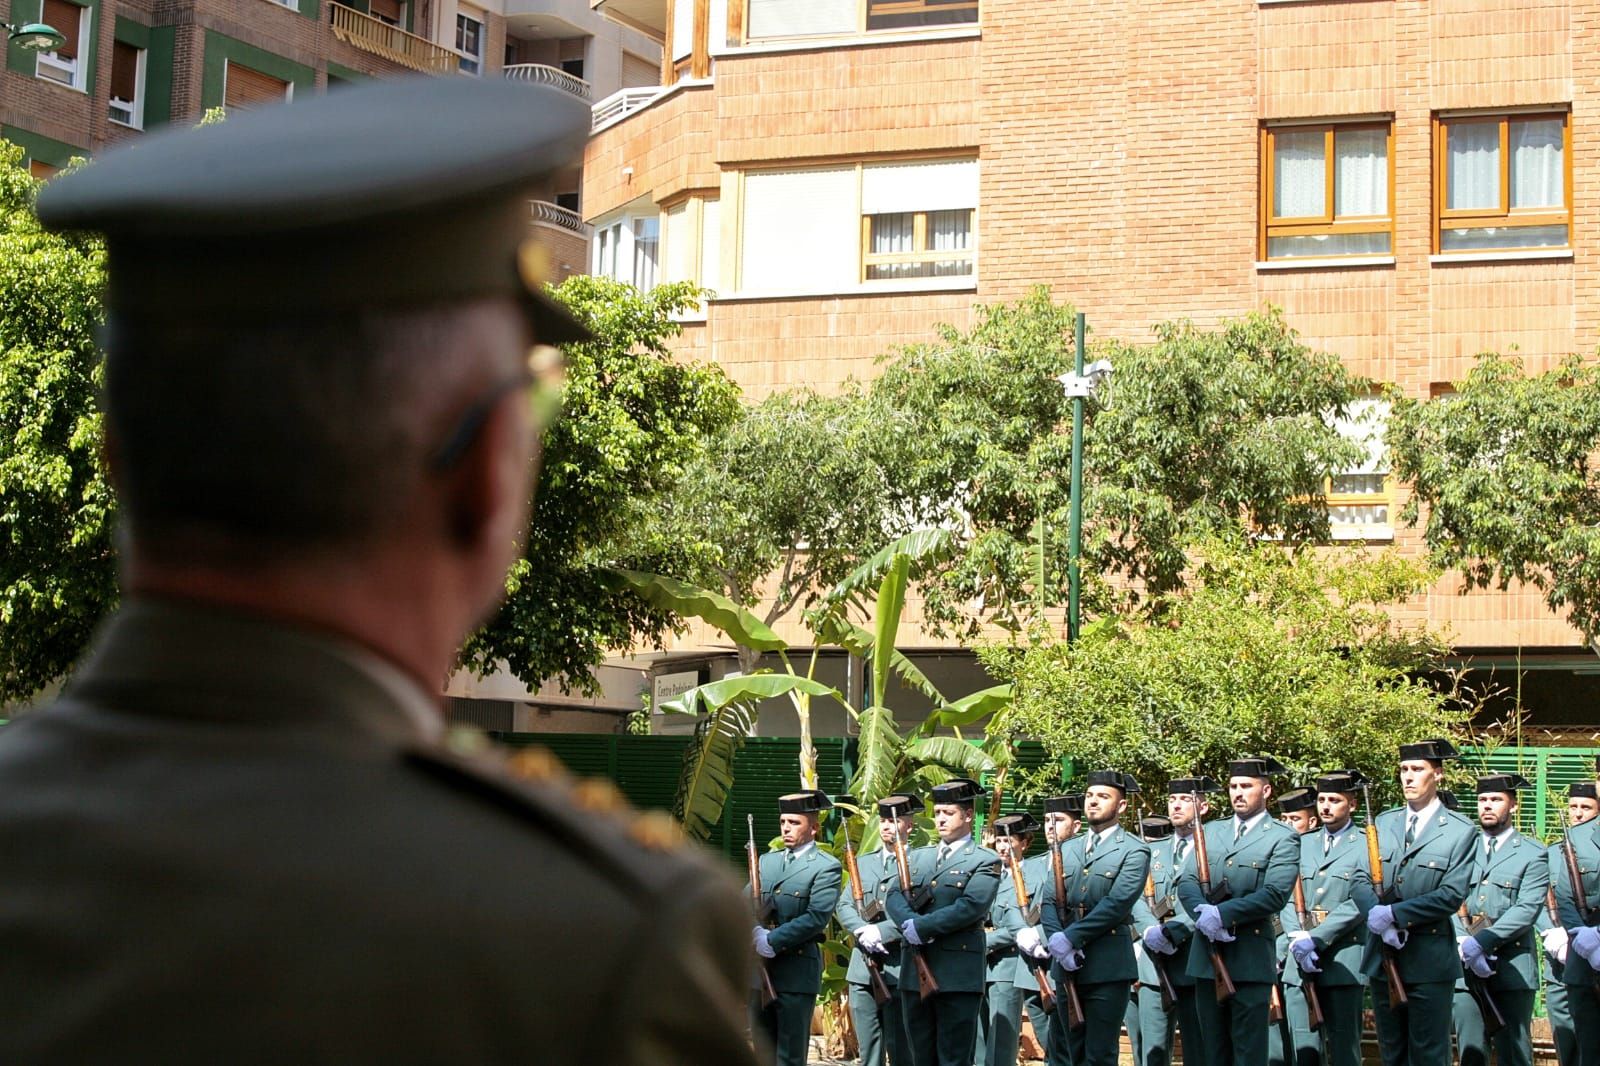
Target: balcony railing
<point>390,42</point>
<point>551,214</point>
<point>540,74</point>
<point>623,102</point>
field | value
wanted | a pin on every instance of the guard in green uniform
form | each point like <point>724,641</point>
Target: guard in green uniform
<point>1090,932</point>
<point>1427,865</point>
<point>1253,862</point>
<point>799,890</point>
<point>1010,978</point>
<point>1063,815</point>
<point>1326,951</point>
<point>1583,804</point>
<point>1577,944</point>
<point>244,832</point>
<point>880,1030</point>
<point>1167,929</point>
<point>1154,1048</point>
<point>1291,1040</point>
<point>1495,939</point>
<point>940,915</point>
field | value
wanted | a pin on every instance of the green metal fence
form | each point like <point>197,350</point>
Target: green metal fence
<point>1542,811</point>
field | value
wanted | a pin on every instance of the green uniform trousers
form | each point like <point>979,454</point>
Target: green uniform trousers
<point>1341,1023</point>
<point>1418,1033</point>
<point>1279,1046</point>
<point>785,1024</point>
<point>1150,1026</point>
<point>941,1030</point>
<point>879,1030</point>
<point>1099,1041</point>
<point>1586,1024</point>
<point>1560,1014</point>
<point>1305,1047</point>
<point>1190,1035</point>
<point>1233,1033</point>
<point>1000,1028</point>
<point>1513,1045</point>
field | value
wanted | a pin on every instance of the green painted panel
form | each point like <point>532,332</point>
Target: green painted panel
<point>22,12</point>
<point>339,72</point>
<point>158,76</point>
<point>130,32</point>
<point>220,49</point>
<point>44,149</point>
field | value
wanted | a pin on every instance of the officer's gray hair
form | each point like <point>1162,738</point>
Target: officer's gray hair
<point>263,441</point>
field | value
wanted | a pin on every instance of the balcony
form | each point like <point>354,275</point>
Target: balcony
<point>546,213</point>
<point>623,103</point>
<point>390,42</point>
<point>540,74</point>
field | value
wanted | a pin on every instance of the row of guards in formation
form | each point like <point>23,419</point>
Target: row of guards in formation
<point>1257,940</point>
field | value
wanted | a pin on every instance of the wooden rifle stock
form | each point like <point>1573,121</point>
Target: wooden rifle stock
<point>1202,869</point>
<point>1579,896</point>
<point>880,987</point>
<point>926,985</point>
<point>1478,988</point>
<point>769,994</point>
<point>1391,957</point>
<point>1047,998</point>
<point>1069,984</point>
<point>1308,982</point>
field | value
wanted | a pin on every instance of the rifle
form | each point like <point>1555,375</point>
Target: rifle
<point>1391,957</point>
<point>1169,994</point>
<point>1202,869</point>
<point>926,985</point>
<point>1047,999</point>
<point>868,912</point>
<point>1579,896</point>
<point>1069,984</point>
<point>1308,984</point>
<point>1477,987</point>
<point>764,910</point>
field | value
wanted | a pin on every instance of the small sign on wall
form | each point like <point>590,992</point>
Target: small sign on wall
<point>667,687</point>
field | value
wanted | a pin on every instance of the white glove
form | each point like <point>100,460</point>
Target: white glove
<point>869,938</point>
<point>1481,965</point>
<point>1555,944</point>
<point>1394,938</point>
<point>1138,951</point>
<point>908,929</point>
<point>1062,951</point>
<point>1304,950</point>
<point>1209,922</point>
<point>1155,939</point>
<point>764,949</point>
<point>1586,943</point>
<point>1380,918</point>
<point>1028,940</point>
<point>1469,949</point>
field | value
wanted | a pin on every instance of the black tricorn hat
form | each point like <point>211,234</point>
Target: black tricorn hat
<point>1015,825</point>
<point>1112,779</point>
<point>1583,790</point>
<point>1297,799</point>
<point>1435,750</point>
<point>957,790</point>
<point>811,801</point>
<point>1508,783</point>
<point>1155,827</point>
<point>1188,786</point>
<point>898,805</point>
<point>1256,766</point>
<point>1072,804</point>
<point>1448,798</point>
<point>1342,781</point>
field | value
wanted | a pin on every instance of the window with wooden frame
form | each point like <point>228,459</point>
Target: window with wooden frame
<point>768,19</point>
<point>1502,182</point>
<point>1361,497</point>
<point>245,88</point>
<point>1327,190</point>
<point>66,65</point>
<point>126,106</point>
<point>918,220</point>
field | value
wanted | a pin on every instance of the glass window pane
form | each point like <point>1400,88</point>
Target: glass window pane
<point>646,249</point>
<point>1538,176</point>
<point>1376,514</point>
<point>1361,172</point>
<point>1299,174</point>
<point>892,233</point>
<point>1473,177</point>
<point>1489,237</point>
<point>949,230</point>
<point>901,14</point>
<point>1328,244</point>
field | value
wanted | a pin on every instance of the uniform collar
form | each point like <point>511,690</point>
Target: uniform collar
<point>795,853</point>
<point>1425,816</point>
<point>1246,824</point>
<point>955,845</point>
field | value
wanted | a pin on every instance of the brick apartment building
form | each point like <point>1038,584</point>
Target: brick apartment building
<point>129,66</point>
<point>1412,182</point>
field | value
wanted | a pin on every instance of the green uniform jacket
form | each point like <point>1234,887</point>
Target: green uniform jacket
<point>962,889</point>
<point>1510,891</point>
<point>1586,848</point>
<point>1179,925</point>
<point>1425,884</point>
<point>804,895</point>
<point>240,834</point>
<point>1006,919</point>
<point>877,869</point>
<point>1338,891</point>
<point>1102,890</point>
<point>1259,874</point>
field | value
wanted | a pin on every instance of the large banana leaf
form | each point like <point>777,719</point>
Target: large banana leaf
<point>746,688</point>
<point>952,754</point>
<point>706,776</point>
<point>970,709</point>
<point>891,601</point>
<point>920,544</point>
<point>878,753</point>
<point>832,629</point>
<point>690,601</point>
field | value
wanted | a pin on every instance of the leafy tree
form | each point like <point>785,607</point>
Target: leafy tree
<point>1267,651</point>
<point>1198,434</point>
<point>1507,470</point>
<point>57,575</point>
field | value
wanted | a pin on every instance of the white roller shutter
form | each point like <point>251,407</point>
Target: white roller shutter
<point>1365,425</point>
<point>801,230</point>
<point>711,245</point>
<point>802,18</point>
<point>678,235</point>
<point>682,29</point>
<point>941,186</point>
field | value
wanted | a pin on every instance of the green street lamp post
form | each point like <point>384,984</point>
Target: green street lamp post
<point>1080,385</point>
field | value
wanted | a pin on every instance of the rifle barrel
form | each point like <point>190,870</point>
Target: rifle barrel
<point>1202,869</point>
<point>1391,957</point>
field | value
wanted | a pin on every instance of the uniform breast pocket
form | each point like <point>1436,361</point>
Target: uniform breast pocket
<point>1245,874</point>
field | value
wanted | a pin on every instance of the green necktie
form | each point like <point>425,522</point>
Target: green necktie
<point>1411,830</point>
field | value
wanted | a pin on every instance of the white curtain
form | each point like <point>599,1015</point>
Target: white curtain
<point>1299,174</point>
<point>892,233</point>
<point>646,246</point>
<point>1538,178</point>
<point>1361,173</point>
<point>1474,165</point>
